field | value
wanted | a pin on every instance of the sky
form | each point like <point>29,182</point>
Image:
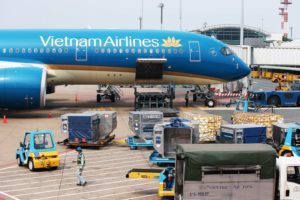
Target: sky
<point>124,14</point>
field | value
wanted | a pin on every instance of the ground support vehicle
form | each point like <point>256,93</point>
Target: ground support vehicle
<point>91,129</point>
<point>141,124</point>
<point>165,176</point>
<point>287,178</point>
<point>38,151</point>
<point>242,133</point>
<point>295,84</point>
<point>167,135</point>
<point>286,139</point>
<point>110,92</point>
<point>255,72</point>
<point>276,98</point>
<point>204,94</point>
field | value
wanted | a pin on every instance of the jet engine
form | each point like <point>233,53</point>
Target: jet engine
<point>22,86</point>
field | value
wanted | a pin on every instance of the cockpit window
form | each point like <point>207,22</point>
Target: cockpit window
<point>226,51</point>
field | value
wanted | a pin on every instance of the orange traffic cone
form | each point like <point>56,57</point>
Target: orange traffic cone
<point>4,119</point>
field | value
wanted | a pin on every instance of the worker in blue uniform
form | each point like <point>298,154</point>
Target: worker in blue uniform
<point>80,166</point>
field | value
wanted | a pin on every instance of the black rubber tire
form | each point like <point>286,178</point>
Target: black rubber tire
<point>19,162</point>
<point>31,165</point>
<point>210,103</point>
<point>274,100</point>
<point>98,98</point>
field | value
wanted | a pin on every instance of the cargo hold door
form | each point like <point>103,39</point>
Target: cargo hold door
<point>150,68</point>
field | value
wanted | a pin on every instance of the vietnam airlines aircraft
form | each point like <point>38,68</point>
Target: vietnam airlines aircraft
<point>33,62</point>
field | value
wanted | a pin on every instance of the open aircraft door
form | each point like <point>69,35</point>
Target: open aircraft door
<point>150,68</point>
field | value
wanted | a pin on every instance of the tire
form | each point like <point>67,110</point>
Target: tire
<point>274,100</point>
<point>19,161</point>
<point>98,98</point>
<point>210,103</point>
<point>30,165</point>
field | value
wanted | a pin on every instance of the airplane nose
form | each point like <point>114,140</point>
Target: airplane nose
<point>244,69</point>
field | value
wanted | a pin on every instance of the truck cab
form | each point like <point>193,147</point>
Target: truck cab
<point>245,106</point>
<point>287,178</point>
<point>38,150</point>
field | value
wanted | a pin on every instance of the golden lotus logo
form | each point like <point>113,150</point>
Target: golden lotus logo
<point>171,42</point>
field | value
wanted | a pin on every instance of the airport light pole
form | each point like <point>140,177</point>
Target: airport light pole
<point>141,18</point>
<point>161,6</point>
<point>180,15</point>
<point>242,23</point>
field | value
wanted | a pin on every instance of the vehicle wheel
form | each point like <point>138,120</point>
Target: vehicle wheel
<point>210,103</point>
<point>98,98</point>
<point>133,148</point>
<point>19,161</point>
<point>30,165</point>
<point>274,100</point>
<point>194,97</point>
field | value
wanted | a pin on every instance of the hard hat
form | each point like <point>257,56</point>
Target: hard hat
<point>78,149</point>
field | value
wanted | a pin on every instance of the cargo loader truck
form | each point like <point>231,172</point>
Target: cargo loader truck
<point>227,171</point>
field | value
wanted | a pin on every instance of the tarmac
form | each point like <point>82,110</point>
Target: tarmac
<point>105,167</point>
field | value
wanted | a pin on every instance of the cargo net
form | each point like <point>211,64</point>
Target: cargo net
<point>209,125</point>
<point>264,119</point>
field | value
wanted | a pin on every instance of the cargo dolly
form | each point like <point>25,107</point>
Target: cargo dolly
<point>134,142</point>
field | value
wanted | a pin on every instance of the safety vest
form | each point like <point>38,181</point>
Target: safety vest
<point>80,159</point>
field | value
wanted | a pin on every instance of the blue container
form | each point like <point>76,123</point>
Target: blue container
<point>243,133</point>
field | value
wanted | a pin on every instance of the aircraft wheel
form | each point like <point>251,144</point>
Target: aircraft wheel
<point>30,165</point>
<point>19,161</point>
<point>98,98</point>
<point>210,103</point>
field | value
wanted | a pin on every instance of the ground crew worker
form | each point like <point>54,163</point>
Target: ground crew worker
<point>80,166</point>
<point>187,99</point>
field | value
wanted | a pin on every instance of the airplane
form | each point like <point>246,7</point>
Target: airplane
<point>33,62</point>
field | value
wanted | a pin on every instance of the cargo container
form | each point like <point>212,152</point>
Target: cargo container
<point>243,133</point>
<point>84,129</point>
<point>141,124</point>
<point>108,122</point>
<point>167,135</point>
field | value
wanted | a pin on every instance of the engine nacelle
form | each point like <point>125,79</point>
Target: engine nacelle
<point>22,87</point>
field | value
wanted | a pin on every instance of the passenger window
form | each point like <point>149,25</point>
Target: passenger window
<point>133,51</point>
<point>151,51</point>
<point>157,51</point>
<point>175,51</point>
<point>163,51</point>
<point>169,51</point>
<point>126,50</point>
<point>139,51</point>
<point>23,50</point>
<point>29,50</point>
<point>11,50</point>
<point>96,50</point>
<point>53,50</point>
<point>41,50</point>
<point>66,50</point>
<point>181,51</point>
<point>120,50</point>
<point>145,51</point>
<point>35,50</point>
<point>115,51</point>
<point>108,50</point>
<point>17,50</point>
<point>60,50</point>
<point>102,50</point>
<point>47,50</point>
<point>3,50</point>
